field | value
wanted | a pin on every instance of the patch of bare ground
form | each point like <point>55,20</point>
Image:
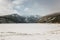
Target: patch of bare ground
<point>52,18</point>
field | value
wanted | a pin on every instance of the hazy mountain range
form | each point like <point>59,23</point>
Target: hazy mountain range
<point>15,18</point>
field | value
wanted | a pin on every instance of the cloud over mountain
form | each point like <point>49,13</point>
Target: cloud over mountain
<point>29,7</point>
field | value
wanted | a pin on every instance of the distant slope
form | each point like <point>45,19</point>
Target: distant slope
<point>53,18</point>
<point>14,18</point>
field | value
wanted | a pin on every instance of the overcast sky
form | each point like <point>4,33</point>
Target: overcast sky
<point>29,7</point>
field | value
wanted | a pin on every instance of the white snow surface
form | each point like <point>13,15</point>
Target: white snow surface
<point>30,32</point>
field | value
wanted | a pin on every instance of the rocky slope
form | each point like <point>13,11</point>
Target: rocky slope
<point>53,18</point>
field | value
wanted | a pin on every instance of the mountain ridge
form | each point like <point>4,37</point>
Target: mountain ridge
<point>52,18</point>
<point>15,18</point>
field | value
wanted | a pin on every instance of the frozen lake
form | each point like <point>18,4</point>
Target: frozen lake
<point>30,32</point>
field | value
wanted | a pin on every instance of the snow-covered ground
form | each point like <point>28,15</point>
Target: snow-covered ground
<point>30,32</point>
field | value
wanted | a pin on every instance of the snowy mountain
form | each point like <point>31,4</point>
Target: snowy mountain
<point>15,18</point>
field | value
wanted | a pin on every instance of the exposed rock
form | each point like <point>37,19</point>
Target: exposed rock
<point>53,18</point>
